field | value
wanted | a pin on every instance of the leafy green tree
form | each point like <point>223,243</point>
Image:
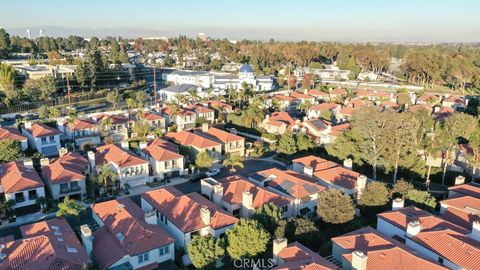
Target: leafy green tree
<point>7,81</point>
<point>53,113</point>
<point>268,215</point>
<point>247,239</point>
<point>422,199</point>
<point>69,208</point>
<point>113,98</point>
<point>304,142</point>
<point>203,251</point>
<point>300,229</point>
<point>47,87</point>
<point>287,144</point>
<point>335,207</point>
<point>106,175</point>
<point>4,44</point>
<point>204,160</point>
<point>140,98</point>
<point>375,194</point>
<point>253,115</point>
<point>10,150</point>
<point>401,189</point>
<point>233,161</point>
<point>43,112</point>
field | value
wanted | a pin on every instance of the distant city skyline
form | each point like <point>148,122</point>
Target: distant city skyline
<point>344,21</point>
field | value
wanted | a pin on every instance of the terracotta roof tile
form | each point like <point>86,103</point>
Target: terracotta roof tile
<point>190,139</point>
<point>161,150</point>
<point>80,124</point>
<point>15,176</point>
<point>324,107</point>
<point>297,256</point>
<point>124,217</point>
<point>115,154</point>
<point>69,167</point>
<point>42,130</point>
<point>184,210</point>
<point>330,171</point>
<point>463,210</point>
<point>12,134</point>
<point>471,189</point>
<point>224,136</point>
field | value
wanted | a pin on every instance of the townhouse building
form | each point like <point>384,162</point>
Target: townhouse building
<point>164,159</point>
<point>82,132</point>
<point>196,144</point>
<point>43,138</point>
<point>14,134</point>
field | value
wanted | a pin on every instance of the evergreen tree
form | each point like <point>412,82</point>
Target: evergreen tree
<point>203,251</point>
<point>334,206</point>
<point>247,239</point>
<point>203,160</point>
<point>287,144</point>
<point>10,150</point>
<point>268,215</point>
<point>304,142</point>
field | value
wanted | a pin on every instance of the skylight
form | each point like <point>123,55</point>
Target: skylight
<point>72,250</point>
<point>120,236</point>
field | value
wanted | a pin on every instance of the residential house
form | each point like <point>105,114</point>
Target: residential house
<point>331,174</point>
<point>127,238</point>
<point>185,216</point>
<point>129,168</point>
<point>43,138</point>
<point>336,94</point>
<point>241,197</point>
<point>470,189</point>
<point>319,130</point>
<point>155,121</point>
<point>280,122</point>
<point>462,210</point>
<point>232,144</point>
<point>170,93</point>
<point>367,248</point>
<point>116,126</point>
<point>203,112</point>
<point>14,135</point>
<point>303,98</point>
<point>338,129</point>
<point>66,175</point>
<point>319,95</point>
<point>295,256</point>
<point>433,237</point>
<point>285,102</point>
<point>164,159</point>
<point>182,118</point>
<point>196,144</point>
<point>345,114</point>
<point>430,99</point>
<point>454,102</point>
<point>21,183</point>
<point>82,132</point>
<point>299,187</point>
<point>45,245</point>
<point>323,110</point>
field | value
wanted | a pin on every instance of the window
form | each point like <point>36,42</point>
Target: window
<point>44,139</point>
<point>74,186</point>
<point>32,195</point>
<point>64,188</point>
<point>143,258</point>
<point>52,138</point>
<point>440,260</point>
<point>19,197</point>
<point>166,249</point>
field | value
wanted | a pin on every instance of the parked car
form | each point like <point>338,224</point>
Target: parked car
<point>197,177</point>
<point>212,172</point>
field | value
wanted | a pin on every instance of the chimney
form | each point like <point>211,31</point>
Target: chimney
<point>86,235</point>
<point>205,215</point>
<point>348,163</point>
<point>247,201</point>
<point>124,145</point>
<point>143,145</point>
<point>459,180</point>
<point>359,260</point>
<point>63,151</point>
<point>44,162</point>
<point>204,127</point>
<point>308,170</point>
<point>151,217</point>
<point>475,234</point>
<point>278,245</point>
<point>361,183</point>
<point>398,203</point>
<point>413,228</point>
<point>217,194</point>
<point>233,131</point>
<point>91,160</point>
<point>28,163</point>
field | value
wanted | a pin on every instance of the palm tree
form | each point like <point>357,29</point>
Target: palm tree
<point>178,99</point>
<point>130,104</point>
<point>69,208</point>
<point>304,106</point>
<point>106,175</point>
<point>106,124</point>
<point>193,94</point>
<point>8,208</point>
<point>233,161</point>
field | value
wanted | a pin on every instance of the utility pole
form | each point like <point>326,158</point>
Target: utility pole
<point>155,85</point>
<point>68,93</point>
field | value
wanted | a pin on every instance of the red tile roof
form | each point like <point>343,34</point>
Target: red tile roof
<point>338,129</point>
<point>451,245</point>
<point>220,104</point>
<point>299,95</point>
<point>234,186</point>
<point>401,217</point>
<point>347,110</point>
<point>324,107</point>
<point>115,154</point>
<point>330,171</point>
<point>316,93</point>
<point>42,249</point>
<point>223,136</point>
<point>123,217</point>
<point>284,98</point>
<point>298,257</point>
<point>418,107</point>
<point>338,91</point>
<point>80,124</point>
<point>152,117</point>
<point>200,109</point>
<point>282,117</point>
<point>463,210</point>
<point>383,252</point>
<point>69,167</point>
<point>15,176</point>
<point>42,130</point>
<point>115,119</point>
<point>161,150</point>
<point>184,210</point>
<point>12,134</point>
<point>292,183</point>
<point>471,189</point>
<point>190,139</point>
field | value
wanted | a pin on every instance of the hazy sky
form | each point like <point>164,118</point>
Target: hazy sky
<point>341,20</point>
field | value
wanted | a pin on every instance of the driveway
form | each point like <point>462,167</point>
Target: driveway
<point>250,166</point>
